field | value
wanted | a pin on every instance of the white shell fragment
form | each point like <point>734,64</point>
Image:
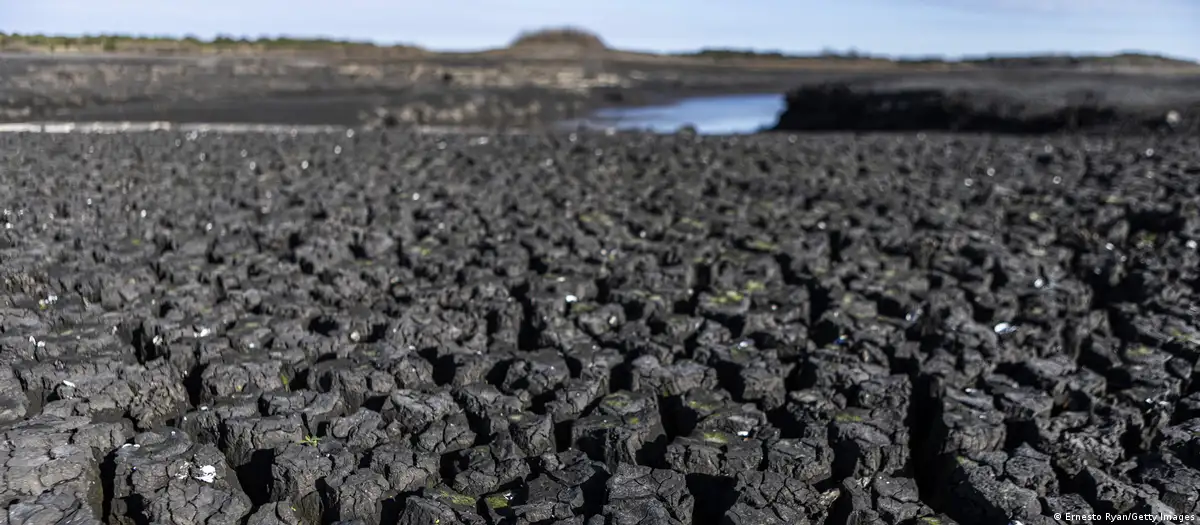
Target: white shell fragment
<point>208,474</point>
<point>1004,328</point>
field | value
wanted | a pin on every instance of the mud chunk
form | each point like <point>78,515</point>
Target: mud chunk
<point>643,494</point>
<point>162,476</point>
<point>867,443</point>
<point>624,428</point>
<point>226,378</point>
<point>881,498</point>
<point>478,470</point>
<point>358,497</point>
<point>355,382</point>
<point>293,479</point>
<point>565,492</point>
<point>770,498</point>
<point>275,514</point>
<point>714,453</point>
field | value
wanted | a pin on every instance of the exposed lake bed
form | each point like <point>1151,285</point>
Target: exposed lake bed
<point>626,98</point>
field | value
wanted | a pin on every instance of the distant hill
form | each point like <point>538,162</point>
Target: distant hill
<point>559,38</point>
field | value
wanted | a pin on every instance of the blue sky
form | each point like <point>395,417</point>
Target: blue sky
<point>891,27</point>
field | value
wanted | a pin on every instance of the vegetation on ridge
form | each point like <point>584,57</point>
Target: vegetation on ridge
<point>140,43</point>
<point>549,39</point>
<point>1046,60</point>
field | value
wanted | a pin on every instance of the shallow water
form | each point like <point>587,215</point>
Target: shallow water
<point>722,114</point>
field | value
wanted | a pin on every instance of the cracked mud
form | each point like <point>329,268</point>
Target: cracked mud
<point>597,330</point>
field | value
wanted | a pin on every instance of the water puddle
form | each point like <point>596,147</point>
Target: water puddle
<point>723,114</point>
<point>714,115</point>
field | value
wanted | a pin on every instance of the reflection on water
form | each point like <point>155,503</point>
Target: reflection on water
<point>725,114</point>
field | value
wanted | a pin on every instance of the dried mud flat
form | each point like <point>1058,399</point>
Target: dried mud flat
<point>407,329</point>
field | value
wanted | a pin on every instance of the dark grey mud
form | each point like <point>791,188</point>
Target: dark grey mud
<point>405,329</point>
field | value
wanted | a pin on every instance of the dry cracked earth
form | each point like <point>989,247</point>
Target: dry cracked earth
<point>389,329</point>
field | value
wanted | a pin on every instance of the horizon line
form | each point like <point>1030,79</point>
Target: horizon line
<point>827,51</point>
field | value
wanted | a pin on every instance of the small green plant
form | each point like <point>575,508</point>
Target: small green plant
<point>1141,351</point>
<point>311,440</point>
<point>848,418</point>
<point>617,400</point>
<point>456,498</point>
<point>729,297</point>
<point>498,501</point>
<point>762,246</point>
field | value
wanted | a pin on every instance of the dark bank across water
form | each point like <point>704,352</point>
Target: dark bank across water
<point>980,107</point>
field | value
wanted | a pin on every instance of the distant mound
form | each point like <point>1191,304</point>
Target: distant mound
<point>560,38</point>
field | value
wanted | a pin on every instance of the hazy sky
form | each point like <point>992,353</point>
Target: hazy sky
<point>893,27</point>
